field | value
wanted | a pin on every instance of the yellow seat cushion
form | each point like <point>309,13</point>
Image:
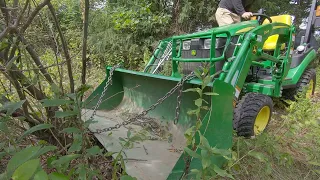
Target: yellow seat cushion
<point>271,42</point>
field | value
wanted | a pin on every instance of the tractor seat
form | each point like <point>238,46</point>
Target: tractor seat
<point>271,42</point>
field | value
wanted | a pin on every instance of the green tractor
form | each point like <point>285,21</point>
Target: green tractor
<point>249,64</point>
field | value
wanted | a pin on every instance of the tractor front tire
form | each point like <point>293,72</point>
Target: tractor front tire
<point>252,114</point>
<point>308,79</point>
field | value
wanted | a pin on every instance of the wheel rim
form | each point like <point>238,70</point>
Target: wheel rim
<point>262,120</point>
<point>310,89</point>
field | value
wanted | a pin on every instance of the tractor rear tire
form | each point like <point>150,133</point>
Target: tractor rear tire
<point>252,114</point>
<point>308,79</point>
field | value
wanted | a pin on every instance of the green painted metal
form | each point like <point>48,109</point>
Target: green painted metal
<point>217,127</point>
<point>140,90</point>
<point>266,89</point>
<point>246,56</point>
<point>155,56</point>
<point>224,31</point>
<point>136,90</point>
<point>295,74</point>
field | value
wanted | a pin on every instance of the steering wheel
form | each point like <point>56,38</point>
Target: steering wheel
<point>262,17</point>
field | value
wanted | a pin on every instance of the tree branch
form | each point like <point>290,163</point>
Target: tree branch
<point>35,93</point>
<point>33,15</point>
<point>84,45</point>
<point>64,47</point>
<point>21,97</point>
<point>33,69</point>
<point>37,60</point>
<point>4,32</point>
<point>4,11</point>
<point>22,13</point>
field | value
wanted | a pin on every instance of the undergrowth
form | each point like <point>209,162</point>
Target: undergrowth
<point>290,147</point>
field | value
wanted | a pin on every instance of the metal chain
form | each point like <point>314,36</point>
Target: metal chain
<point>109,82</point>
<point>176,119</point>
<point>152,107</point>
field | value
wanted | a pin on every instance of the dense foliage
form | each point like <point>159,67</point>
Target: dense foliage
<point>44,49</point>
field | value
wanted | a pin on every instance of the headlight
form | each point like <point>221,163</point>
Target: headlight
<point>300,48</point>
<point>207,44</point>
<point>186,45</point>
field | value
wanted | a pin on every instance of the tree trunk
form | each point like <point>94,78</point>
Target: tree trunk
<point>84,45</point>
<point>175,16</point>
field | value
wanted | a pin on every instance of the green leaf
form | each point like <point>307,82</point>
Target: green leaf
<point>34,129</point>
<point>193,112</point>
<point>93,151</point>
<point>71,130</point>
<point>55,88</point>
<point>4,127</point>
<point>198,102</point>
<point>314,163</point>
<point>198,90</point>
<point>2,145</point>
<point>128,134</point>
<point>198,73</point>
<point>194,171</point>
<point>50,160</point>
<point>54,102</point>
<point>261,157</point>
<point>26,170</point>
<point>221,172</point>
<point>11,107</point>
<point>211,94</point>
<point>65,114</point>
<point>73,96</point>
<point>206,81</point>
<point>126,177</point>
<point>2,154</point>
<point>44,150</point>
<point>77,143</point>
<point>3,45</point>
<point>82,172</point>
<point>205,158</point>
<point>58,176</point>
<point>205,70</point>
<point>21,157</point>
<point>222,152</point>
<point>204,142</point>
<point>84,88</point>
<point>192,153</point>
<point>65,159</point>
<point>41,175</point>
<point>317,171</point>
<point>108,154</point>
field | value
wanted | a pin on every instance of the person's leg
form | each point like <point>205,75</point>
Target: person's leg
<point>224,17</point>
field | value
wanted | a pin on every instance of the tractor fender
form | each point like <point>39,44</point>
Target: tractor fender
<point>295,74</point>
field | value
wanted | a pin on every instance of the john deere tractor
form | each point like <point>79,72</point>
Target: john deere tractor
<point>249,64</point>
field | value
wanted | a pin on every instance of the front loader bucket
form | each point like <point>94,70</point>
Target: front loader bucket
<point>132,92</point>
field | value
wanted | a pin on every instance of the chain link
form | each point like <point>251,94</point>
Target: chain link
<point>152,107</point>
<point>109,82</point>
<point>176,119</point>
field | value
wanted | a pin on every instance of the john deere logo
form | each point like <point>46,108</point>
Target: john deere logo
<point>193,52</point>
<point>254,50</point>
